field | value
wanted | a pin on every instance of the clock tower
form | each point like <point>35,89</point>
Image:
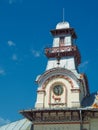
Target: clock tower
<point>63,95</point>
<point>61,86</point>
<point>63,98</point>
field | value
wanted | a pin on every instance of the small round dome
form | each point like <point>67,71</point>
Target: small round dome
<point>62,25</point>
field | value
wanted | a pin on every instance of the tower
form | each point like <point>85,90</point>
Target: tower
<point>61,85</point>
<point>63,95</point>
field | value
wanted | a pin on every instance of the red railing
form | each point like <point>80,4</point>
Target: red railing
<point>63,51</point>
<point>60,49</point>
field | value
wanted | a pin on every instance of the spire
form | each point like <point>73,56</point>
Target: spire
<point>63,14</point>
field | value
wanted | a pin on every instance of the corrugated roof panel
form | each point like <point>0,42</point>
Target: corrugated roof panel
<point>18,124</point>
<point>23,124</point>
<point>12,125</point>
<point>29,128</point>
<point>4,127</point>
<point>8,126</point>
<point>26,126</point>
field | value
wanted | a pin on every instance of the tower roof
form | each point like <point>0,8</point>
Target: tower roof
<point>62,25</point>
<point>63,28</point>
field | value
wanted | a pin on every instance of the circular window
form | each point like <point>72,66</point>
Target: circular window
<point>58,90</point>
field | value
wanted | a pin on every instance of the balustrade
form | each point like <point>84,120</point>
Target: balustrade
<point>60,49</point>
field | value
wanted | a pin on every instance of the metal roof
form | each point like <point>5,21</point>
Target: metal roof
<point>23,124</point>
<point>89,100</point>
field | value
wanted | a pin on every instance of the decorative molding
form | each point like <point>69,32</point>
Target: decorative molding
<point>57,71</point>
<point>42,90</point>
<point>74,122</point>
<point>76,90</point>
<point>57,104</point>
<point>57,76</point>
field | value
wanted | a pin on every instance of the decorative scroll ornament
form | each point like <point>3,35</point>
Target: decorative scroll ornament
<point>95,104</point>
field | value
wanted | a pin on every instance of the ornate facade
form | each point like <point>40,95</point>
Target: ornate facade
<point>63,98</point>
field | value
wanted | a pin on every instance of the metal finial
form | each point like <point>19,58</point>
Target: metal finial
<point>63,15</point>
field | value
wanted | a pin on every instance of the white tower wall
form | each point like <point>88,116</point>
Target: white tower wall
<point>67,63</point>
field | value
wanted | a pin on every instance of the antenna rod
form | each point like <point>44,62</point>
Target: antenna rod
<point>63,15</point>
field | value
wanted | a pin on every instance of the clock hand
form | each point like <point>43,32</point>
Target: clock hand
<point>58,90</point>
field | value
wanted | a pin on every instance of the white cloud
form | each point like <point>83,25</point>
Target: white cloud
<point>2,71</point>
<point>35,53</point>
<point>15,1</point>
<point>83,66</point>
<point>4,121</point>
<point>14,57</point>
<point>12,1</point>
<point>11,43</point>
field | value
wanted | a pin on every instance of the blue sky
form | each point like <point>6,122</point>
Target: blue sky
<point>24,33</point>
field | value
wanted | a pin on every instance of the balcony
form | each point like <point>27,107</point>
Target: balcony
<point>63,51</point>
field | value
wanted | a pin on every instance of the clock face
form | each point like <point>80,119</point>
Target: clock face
<point>58,90</point>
